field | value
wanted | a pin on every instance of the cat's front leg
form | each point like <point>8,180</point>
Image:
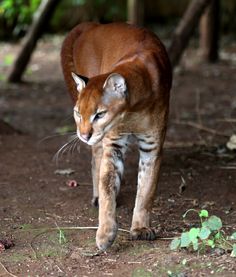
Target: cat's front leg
<point>97,151</point>
<point>149,166</point>
<point>111,171</point>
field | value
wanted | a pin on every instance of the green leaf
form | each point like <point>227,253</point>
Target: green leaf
<point>205,224</point>
<point>185,240</point>
<point>233,236</point>
<point>233,253</point>
<point>218,235</point>
<point>203,213</point>
<point>204,233</point>
<point>175,244</point>
<point>214,223</point>
<point>195,244</point>
<point>193,233</point>
<point>211,243</point>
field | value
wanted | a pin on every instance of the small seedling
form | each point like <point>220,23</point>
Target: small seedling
<point>141,272</point>
<point>207,234</point>
<point>62,237</point>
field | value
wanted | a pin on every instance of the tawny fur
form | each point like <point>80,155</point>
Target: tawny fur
<point>127,94</point>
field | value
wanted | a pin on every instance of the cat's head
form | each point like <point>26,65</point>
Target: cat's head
<point>100,106</point>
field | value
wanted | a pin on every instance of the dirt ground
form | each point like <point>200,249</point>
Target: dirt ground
<point>33,197</point>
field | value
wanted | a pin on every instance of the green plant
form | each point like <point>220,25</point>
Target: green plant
<point>208,233</point>
<point>141,272</point>
<point>18,13</point>
<point>62,237</point>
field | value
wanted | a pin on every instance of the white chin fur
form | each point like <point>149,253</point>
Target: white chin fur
<point>78,135</point>
<point>85,141</point>
<point>95,140</point>
<point>91,141</point>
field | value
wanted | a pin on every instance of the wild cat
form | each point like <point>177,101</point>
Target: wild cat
<point>119,77</point>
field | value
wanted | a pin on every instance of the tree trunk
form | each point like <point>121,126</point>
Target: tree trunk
<point>136,12</point>
<point>42,17</point>
<point>185,29</point>
<point>209,32</point>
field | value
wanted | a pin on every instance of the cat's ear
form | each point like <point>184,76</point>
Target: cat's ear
<point>80,81</point>
<point>115,83</point>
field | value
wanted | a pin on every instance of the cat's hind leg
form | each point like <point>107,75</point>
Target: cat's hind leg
<point>149,166</point>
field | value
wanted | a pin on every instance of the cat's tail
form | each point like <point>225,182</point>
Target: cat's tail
<point>67,59</point>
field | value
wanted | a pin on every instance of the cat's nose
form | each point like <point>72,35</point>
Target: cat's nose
<point>86,136</point>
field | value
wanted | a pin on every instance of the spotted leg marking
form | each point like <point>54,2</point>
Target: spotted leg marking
<point>97,151</point>
<point>111,172</point>
<point>149,166</point>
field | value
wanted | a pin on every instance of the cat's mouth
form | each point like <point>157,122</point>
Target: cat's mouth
<point>95,138</point>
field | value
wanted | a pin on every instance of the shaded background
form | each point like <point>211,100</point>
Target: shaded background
<point>198,170</point>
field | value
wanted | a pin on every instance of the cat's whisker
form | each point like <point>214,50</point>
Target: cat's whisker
<point>76,145</point>
<point>68,147</point>
<point>64,147</point>
<point>55,135</point>
<point>69,117</point>
<point>71,147</point>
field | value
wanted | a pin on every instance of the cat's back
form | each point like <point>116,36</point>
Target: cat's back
<point>93,49</point>
<point>99,47</point>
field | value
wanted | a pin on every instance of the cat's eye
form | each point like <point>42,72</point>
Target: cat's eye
<point>99,115</point>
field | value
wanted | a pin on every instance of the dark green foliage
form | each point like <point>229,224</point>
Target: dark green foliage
<point>16,15</point>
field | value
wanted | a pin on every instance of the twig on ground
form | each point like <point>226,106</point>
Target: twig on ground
<point>227,167</point>
<point>59,269</point>
<point>201,127</point>
<point>230,120</point>
<point>183,185</point>
<point>134,262</point>
<point>93,254</point>
<point>34,251</point>
<point>6,270</point>
<point>180,144</point>
<point>46,230</point>
<point>165,238</point>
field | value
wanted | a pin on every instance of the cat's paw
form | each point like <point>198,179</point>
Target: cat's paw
<point>95,202</point>
<point>145,233</point>
<point>106,235</point>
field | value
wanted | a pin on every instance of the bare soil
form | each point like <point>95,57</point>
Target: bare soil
<point>34,198</point>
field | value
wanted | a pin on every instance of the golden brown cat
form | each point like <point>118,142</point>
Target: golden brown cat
<point>119,77</point>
